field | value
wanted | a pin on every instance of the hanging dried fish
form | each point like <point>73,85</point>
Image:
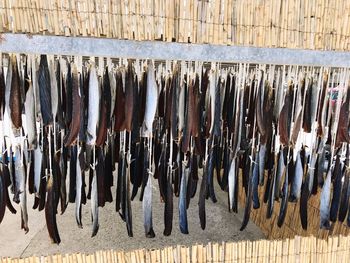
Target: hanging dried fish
<point>284,122</point>
<point>45,91</point>
<point>298,178</point>
<point>22,192</point>
<point>126,196</point>
<point>30,117</point>
<point>151,101</point>
<point>202,196</point>
<point>308,107</point>
<point>322,107</point>
<point>63,190</point>
<point>325,202</point>
<point>229,121</point>
<point>343,134</point>
<point>248,203</point>
<point>94,106</point>
<point>129,96</point>
<point>169,206</point>
<point>74,127</point>
<point>2,196</point>
<point>54,89</point>
<point>94,204</point>
<point>2,92</point>
<point>15,100</point>
<point>284,204</point>
<point>182,202</point>
<point>345,195</point>
<point>79,186</point>
<point>147,208</point>
<point>232,184</point>
<point>337,185</point>
<point>50,213</point>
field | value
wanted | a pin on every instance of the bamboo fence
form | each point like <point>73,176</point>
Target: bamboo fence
<point>292,225</point>
<point>298,249</point>
<point>307,24</point>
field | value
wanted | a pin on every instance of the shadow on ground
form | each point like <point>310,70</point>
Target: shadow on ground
<point>221,226</point>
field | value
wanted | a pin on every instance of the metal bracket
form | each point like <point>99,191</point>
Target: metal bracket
<point>114,48</point>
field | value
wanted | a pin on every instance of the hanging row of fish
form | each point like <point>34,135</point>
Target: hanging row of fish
<point>69,127</point>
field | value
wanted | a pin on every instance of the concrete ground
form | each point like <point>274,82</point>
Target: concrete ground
<point>221,226</point>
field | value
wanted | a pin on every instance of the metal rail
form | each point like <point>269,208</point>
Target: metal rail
<point>114,48</point>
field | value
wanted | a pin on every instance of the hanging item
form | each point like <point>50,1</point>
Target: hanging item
<point>72,130</point>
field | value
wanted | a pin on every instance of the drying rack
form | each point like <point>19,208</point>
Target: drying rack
<point>100,47</point>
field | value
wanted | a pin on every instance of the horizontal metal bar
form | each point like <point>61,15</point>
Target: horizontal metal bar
<point>114,48</point>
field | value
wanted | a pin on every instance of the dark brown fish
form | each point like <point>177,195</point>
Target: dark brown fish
<point>102,126</point>
<point>269,100</point>
<point>284,122</point>
<point>74,127</point>
<point>119,109</point>
<point>192,123</point>
<point>129,96</point>
<point>50,212</point>
<point>343,123</point>
<point>15,96</point>
<point>307,122</point>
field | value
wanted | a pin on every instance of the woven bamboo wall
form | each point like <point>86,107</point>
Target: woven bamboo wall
<point>292,226</point>
<point>299,249</point>
<point>308,24</point>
